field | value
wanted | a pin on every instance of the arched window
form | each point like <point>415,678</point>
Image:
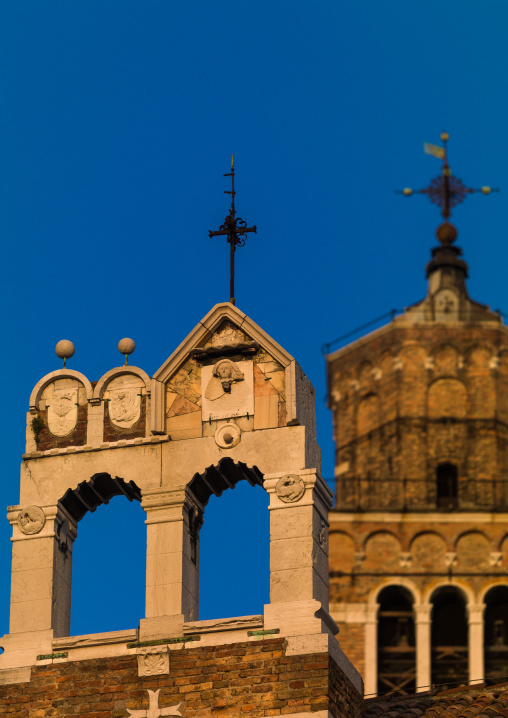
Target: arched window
<point>496,633</point>
<point>396,642</point>
<point>109,569</point>
<point>447,486</point>
<point>449,637</point>
<point>234,564</point>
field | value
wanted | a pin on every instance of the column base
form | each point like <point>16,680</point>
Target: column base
<point>159,627</point>
<point>22,649</point>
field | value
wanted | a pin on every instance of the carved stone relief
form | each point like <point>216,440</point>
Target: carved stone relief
<point>63,411</point>
<point>446,305</point>
<point>153,661</point>
<point>228,435</point>
<point>124,396</point>
<point>290,488</point>
<point>322,535</point>
<point>31,520</point>
<point>224,374</point>
<point>153,710</point>
<point>227,390</point>
<point>228,335</point>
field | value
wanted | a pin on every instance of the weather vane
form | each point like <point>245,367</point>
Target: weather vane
<point>445,190</point>
<point>235,229</point>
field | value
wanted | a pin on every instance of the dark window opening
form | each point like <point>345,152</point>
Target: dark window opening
<point>396,642</point>
<point>449,638</point>
<point>447,486</point>
<point>496,633</point>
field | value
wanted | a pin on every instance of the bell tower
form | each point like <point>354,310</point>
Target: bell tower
<point>418,537</point>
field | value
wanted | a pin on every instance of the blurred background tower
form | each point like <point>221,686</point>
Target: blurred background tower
<point>419,531</point>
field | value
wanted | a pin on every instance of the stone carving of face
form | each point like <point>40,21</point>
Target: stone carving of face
<point>225,374</point>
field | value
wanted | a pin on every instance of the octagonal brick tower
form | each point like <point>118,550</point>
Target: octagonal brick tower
<point>419,530</point>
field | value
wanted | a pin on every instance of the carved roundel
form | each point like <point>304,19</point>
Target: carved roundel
<point>31,520</point>
<point>290,488</point>
<point>228,435</point>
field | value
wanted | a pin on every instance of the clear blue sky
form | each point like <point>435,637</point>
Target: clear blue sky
<point>117,121</point>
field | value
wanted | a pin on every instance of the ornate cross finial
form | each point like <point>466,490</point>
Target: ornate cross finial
<point>445,190</point>
<point>235,229</point>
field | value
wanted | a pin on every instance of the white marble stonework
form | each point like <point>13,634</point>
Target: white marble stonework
<point>124,395</point>
<point>227,335</point>
<point>224,394</point>
<point>153,661</point>
<point>62,411</point>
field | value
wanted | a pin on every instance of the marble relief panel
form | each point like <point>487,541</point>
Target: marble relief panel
<point>124,396</point>
<point>61,400</point>
<point>227,389</point>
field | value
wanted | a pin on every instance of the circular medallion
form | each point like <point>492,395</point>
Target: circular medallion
<point>290,488</point>
<point>228,435</point>
<point>31,520</point>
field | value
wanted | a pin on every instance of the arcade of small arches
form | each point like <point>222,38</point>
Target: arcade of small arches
<point>189,504</point>
<point>468,550</point>
<point>470,381</point>
<point>44,535</point>
<point>447,635</point>
<point>441,360</point>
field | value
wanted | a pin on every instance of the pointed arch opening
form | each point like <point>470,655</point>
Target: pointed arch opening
<point>496,634</point>
<point>396,642</point>
<point>449,637</point>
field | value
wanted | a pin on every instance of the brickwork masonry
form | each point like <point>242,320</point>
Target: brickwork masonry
<point>244,679</point>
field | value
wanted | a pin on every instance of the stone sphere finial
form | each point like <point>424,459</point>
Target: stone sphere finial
<point>126,346</point>
<point>446,233</point>
<point>64,349</point>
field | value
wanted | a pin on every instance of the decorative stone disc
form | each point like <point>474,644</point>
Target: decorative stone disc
<point>290,488</point>
<point>31,520</point>
<point>228,435</point>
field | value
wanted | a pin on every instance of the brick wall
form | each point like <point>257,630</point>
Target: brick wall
<point>364,554</point>
<point>352,642</point>
<point>244,679</point>
<point>412,397</point>
<point>115,433</point>
<point>77,437</point>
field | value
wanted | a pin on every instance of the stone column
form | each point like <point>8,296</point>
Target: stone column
<point>174,517</point>
<point>423,646</point>
<point>299,505</point>
<point>42,542</point>
<point>371,650</point>
<point>476,648</point>
<point>298,608</point>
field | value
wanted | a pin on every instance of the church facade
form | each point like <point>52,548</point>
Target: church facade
<point>229,404</point>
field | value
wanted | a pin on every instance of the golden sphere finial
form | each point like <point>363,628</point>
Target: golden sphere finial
<point>407,191</point>
<point>445,136</point>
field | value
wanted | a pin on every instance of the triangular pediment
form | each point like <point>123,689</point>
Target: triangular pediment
<point>224,330</point>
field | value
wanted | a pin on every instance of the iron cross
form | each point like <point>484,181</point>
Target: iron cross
<point>235,229</point>
<point>445,190</point>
